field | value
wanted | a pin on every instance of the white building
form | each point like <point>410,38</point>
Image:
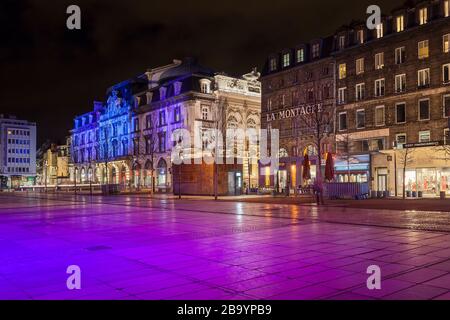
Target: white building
<point>17,152</point>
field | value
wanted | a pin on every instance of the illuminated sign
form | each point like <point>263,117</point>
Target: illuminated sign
<point>295,112</point>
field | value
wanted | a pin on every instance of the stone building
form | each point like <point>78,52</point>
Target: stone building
<point>297,85</point>
<point>393,100</point>
<point>53,165</point>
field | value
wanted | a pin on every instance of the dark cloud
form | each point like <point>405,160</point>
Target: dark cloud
<point>49,74</point>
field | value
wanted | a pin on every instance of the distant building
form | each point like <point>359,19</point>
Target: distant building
<point>53,165</point>
<point>17,152</point>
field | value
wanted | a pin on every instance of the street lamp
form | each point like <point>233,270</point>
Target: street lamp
<point>179,176</point>
<point>45,175</point>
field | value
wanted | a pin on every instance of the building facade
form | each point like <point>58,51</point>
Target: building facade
<point>394,101</point>
<point>17,153</point>
<point>298,100</point>
<point>53,165</point>
<point>129,139</point>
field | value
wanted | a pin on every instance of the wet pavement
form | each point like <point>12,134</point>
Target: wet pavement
<point>135,247</point>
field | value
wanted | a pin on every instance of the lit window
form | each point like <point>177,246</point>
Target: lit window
<point>424,136</point>
<point>400,55</point>
<point>400,83</point>
<point>424,109</point>
<point>360,66</point>
<point>446,73</point>
<point>379,116</point>
<point>423,77</point>
<point>342,71</point>
<point>379,87</point>
<point>360,90</point>
<point>300,55</point>
<point>423,50</point>
<point>380,31</point>
<point>400,23</point>
<point>446,8</point>
<point>379,60</point>
<point>423,16</point>
<point>286,60</point>
<point>446,43</point>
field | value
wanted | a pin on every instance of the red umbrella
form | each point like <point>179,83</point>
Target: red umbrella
<point>329,167</point>
<point>306,168</point>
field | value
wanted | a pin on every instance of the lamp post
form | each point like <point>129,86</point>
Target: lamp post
<point>179,176</point>
<point>90,179</point>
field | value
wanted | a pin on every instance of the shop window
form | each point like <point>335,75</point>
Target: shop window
<point>424,136</point>
<point>400,112</point>
<point>424,109</point>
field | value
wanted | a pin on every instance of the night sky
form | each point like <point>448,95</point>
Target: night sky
<point>49,74</point>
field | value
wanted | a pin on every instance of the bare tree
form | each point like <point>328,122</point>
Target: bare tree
<point>219,114</point>
<point>345,146</point>
<point>406,157</point>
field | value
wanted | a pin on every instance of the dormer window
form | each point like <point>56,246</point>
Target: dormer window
<point>315,50</point>
<point>273,64</point>
<point>286,60</point>
<point>300,55</point>
<point>162,93</point>
<point>177,88</point>
<point>400,23</point>
<point>360,36</point>
<point>205,86</point>
<point>341,42</point>
<point>380,31</point>
<point>423,15</point>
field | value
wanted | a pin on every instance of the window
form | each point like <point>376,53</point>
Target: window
<point>148,121</point>
<point>136,124</point>
<point>205,113</point>
<point>423,51</point>
<point>446,136</point>
<point>316,50</point>
<point>379,60</point>
<point>400,54</point>
<point>445,43</point>
<point>400,83</point>
<point>446,73</point>
<point>446,105</point>
<point>360,119</point>
<point>176,115</point>
<point>162,118</point>
<point>379,87</point>
<point>343,121</point>
<point>341,42</point>
<point>424,136</point>
<point>205,86</point>
<point>136,146</point>
<point>342,71</point>
<point>273,64</point>
<point>379,116</point>
<point>360,66</point>
<point>341,95</point>
<point>423,16</point>
<point>446,8</point>
<point>360,36</point>
<point>400,23</point>
<point>360,91</point>
<point>423,78</point>
<point>400,112</point>
<point>162,93</point>
<point>400,140</point>
<point>162,142</point>
<point>286,60</point>
<point>380,31</point>
<point>424,109</point>
<point>300,55</point>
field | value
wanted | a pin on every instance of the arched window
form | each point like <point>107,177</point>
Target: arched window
<point>124,147</point>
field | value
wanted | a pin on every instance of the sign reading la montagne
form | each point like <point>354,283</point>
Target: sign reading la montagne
<point>295,112</point>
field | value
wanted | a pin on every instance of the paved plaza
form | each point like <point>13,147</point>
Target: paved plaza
<point>136,247</point>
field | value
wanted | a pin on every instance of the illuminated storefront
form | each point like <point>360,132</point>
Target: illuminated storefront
<point>355,168</point>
